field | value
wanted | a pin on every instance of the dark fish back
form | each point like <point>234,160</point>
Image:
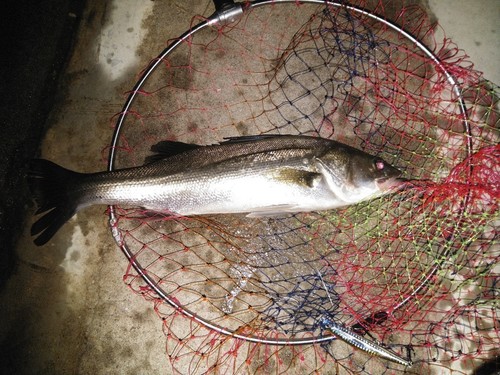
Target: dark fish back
<point>196,157</point>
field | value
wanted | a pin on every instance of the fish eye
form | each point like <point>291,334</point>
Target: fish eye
<point>379,164</point>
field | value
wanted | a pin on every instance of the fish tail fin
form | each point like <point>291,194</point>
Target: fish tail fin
<point>50,185</point>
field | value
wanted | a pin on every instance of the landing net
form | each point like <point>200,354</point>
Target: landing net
<point>416,270</point>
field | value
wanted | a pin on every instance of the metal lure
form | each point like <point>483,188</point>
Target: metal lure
<point>360,342</point>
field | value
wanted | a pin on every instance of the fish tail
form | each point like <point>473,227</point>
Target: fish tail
<point>50,185</point>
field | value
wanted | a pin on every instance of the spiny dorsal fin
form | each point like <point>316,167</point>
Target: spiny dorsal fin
<point>166,149</point>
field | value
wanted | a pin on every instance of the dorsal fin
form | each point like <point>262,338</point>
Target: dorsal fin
<point>166,149</point>
<point>248,138</point>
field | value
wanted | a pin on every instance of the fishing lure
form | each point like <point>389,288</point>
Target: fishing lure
<point>360,342</point>
<point>356,340</point>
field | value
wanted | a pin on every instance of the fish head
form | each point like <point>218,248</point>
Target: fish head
<point>354,176</point>
<point>372,171</point>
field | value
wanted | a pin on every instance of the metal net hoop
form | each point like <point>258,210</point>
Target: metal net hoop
<point>344,73</point>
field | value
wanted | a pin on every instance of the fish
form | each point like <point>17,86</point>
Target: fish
<point>261,175</point>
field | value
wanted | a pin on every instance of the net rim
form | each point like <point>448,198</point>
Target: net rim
<point>228,15</point>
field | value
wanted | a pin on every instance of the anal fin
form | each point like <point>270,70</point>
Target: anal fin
<point>274,210</point>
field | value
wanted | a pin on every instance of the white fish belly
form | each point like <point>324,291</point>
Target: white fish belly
<point>259,194</point>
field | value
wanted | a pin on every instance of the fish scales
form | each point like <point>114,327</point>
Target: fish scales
<point>258,175</point>
<point>239,184</point>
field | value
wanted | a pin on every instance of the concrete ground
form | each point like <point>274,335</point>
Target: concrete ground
<point>65,308</point>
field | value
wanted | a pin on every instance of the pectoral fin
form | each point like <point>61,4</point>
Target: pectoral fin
<point>299,176</point>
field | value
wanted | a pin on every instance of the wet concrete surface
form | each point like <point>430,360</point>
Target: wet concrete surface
<point>64,321</point>
<point>36,40</point>
<point>65,308</point>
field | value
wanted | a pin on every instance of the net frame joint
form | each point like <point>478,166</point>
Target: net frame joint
<point>226,11</point>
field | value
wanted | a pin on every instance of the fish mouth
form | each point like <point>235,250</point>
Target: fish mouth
<point>390,183</point>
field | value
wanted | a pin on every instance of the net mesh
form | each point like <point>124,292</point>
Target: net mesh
<point>416,270</point>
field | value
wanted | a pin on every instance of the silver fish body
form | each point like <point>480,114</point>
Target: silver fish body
<point>258,175</point>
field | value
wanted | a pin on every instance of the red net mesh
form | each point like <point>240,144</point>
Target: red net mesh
<point>416,270</point>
